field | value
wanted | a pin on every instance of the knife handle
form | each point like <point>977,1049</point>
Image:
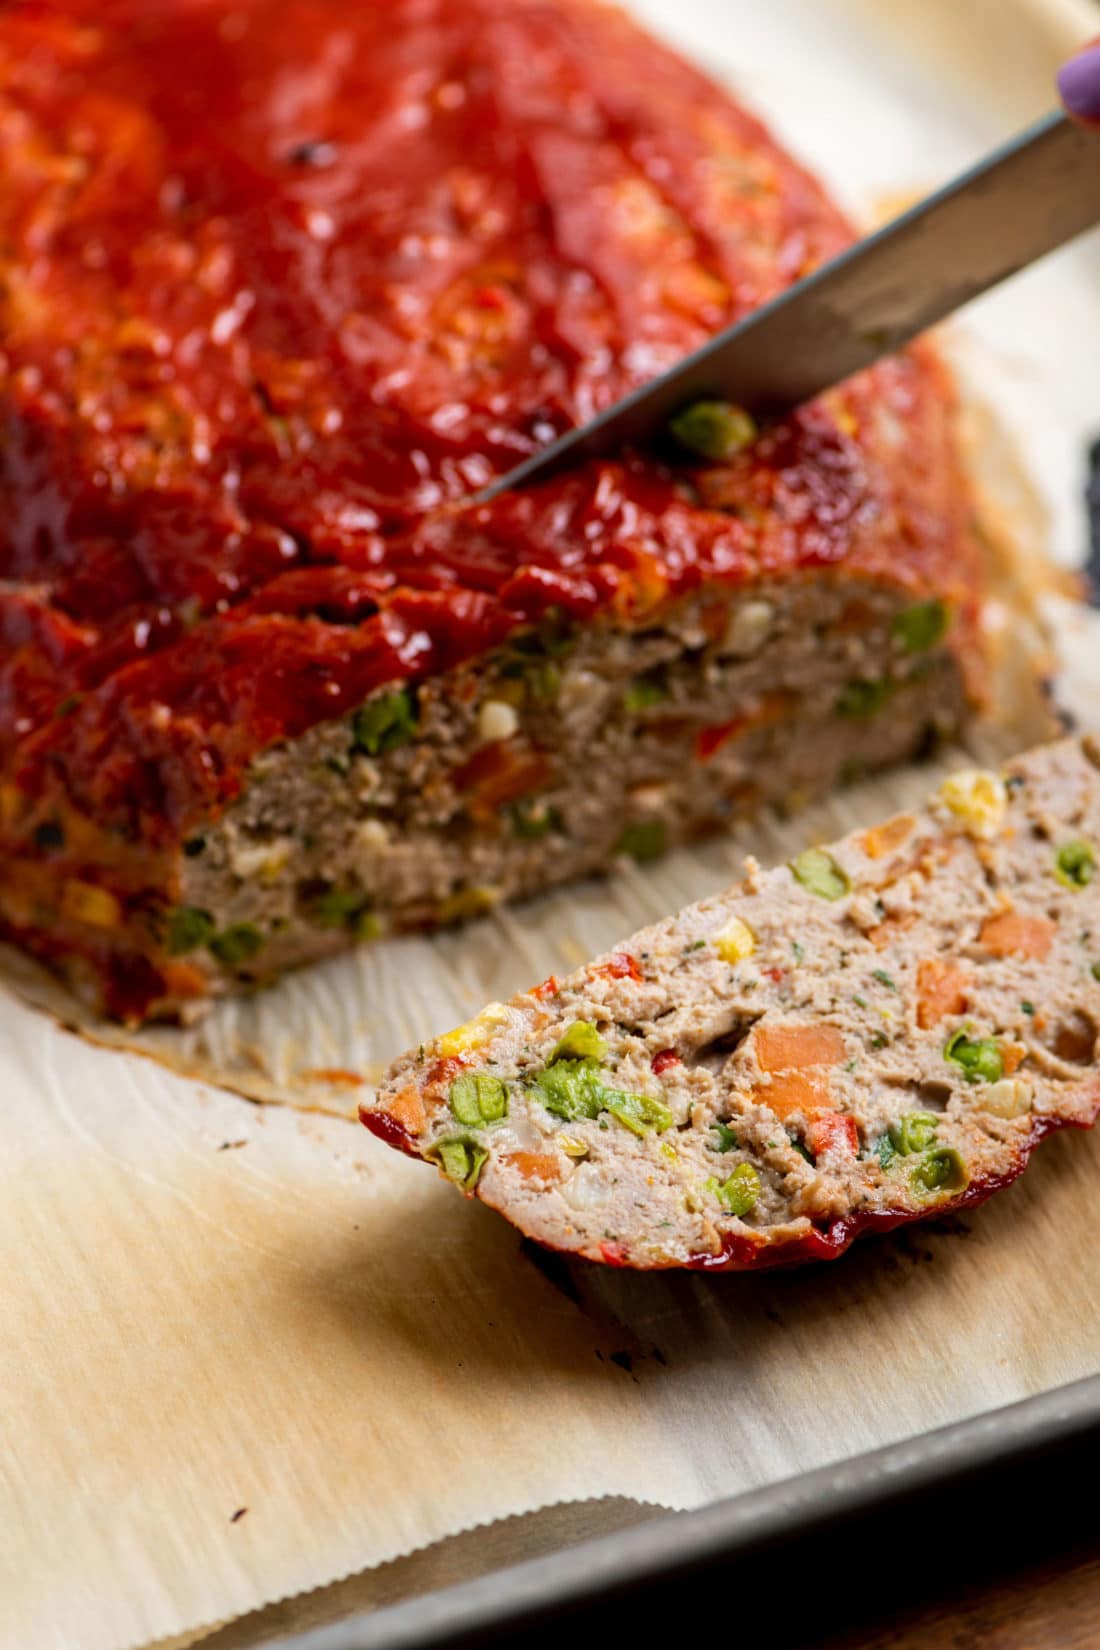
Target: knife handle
<point>1079,84</point>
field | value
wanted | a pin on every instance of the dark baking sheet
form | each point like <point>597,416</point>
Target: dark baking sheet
<point>856,1541</point>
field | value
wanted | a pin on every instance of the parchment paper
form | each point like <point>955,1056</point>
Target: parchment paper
<point>245,1350</point>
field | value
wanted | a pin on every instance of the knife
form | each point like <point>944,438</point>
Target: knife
<point>1027,198</point>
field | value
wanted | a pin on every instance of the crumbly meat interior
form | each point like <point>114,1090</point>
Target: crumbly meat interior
<point>554,756</point>
<point>879,1030</point>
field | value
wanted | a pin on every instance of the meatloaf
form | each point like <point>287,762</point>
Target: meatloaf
<point>879,1031</point>
<point>282,283</point>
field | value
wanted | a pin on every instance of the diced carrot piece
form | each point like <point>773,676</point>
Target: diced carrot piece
<point>1010,934</point>
<point>407,1108</point>
<point>942,989</point>
<point>533,1165</point>
<point>891,928</point>
<point>878,842</point>
<point>833,1132</point>
<point>619,966</point>
<point>794,1091</point>
<point>790,1046</point>
<point>501,772</point>
<point>1013,1055</point>
<point>548,988</point>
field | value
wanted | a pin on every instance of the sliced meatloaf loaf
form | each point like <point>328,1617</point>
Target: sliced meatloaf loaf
<point>281,284</point>
<point>879,1031</point>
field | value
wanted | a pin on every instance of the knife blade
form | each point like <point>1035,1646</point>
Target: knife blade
<point>1019,203</point>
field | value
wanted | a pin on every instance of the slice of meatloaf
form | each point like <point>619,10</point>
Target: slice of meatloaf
<point>281,284</point>
<point>879,1031</point>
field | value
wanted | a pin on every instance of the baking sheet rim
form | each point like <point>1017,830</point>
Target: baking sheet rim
<point>732,1527</point>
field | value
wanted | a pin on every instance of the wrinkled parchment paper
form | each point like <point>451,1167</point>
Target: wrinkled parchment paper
<point>245,1350</point>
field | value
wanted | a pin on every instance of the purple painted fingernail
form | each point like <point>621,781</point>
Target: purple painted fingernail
<point>1079,84</point>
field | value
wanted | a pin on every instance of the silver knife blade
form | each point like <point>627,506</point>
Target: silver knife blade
<point>1027,198</point>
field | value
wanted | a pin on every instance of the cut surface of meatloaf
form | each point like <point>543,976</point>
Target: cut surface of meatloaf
<point>879,1031</point>
<point>282,284</point>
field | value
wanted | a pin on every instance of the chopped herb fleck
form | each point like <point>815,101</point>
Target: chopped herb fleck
<point>385,722</point>
<point>878,1039</point>
<point>1075,864</point>
<point>860,1002</point>
<point>1029,1008</point>
<point>727,1139</point>
<point>883,978</point>
<point>188,928</point>
<point>885,1150</point>
<point>980,1058</point>
<point>799,951</point>
<point>696,945</point>
<point>819,874</point>
<point>1094,971</point>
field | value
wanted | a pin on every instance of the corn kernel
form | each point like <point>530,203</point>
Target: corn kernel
<point>735,941</point>
<point>497,720</point>
<point>84,902</point>
<point>978,799</point>
<point>1011,1097</point>
<point>475,1032</point>
<point>571,1146</point>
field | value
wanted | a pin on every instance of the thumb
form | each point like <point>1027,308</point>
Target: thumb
<point>1079,85</point>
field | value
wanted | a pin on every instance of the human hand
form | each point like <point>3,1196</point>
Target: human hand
<point>1079,84</point>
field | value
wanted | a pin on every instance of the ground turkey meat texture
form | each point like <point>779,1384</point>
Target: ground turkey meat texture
<point>282,284</point>
<point>880,1030</point>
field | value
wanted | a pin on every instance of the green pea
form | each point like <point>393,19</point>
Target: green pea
<point>338,907</point>
<point>860,700</point>
<point>533,819</point>
<point>819,874</point>
<point>940,1170</point>
<point>235,945</point>
<point>921,626</point>
<point>727,1139</point>
<point>644,840</point>
<point>460,1159</point>
<point>914,1132</point>
<point>643,692</point>
<point>188,928</point>
<point>639,1113</point>
<point>476,1098</point>
<point>581,1042</point>
<point>385,722</point>
<point>714,429</point>
<point>1075,864</point>
<point>980,1058</point>
<point>740,1192</point>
